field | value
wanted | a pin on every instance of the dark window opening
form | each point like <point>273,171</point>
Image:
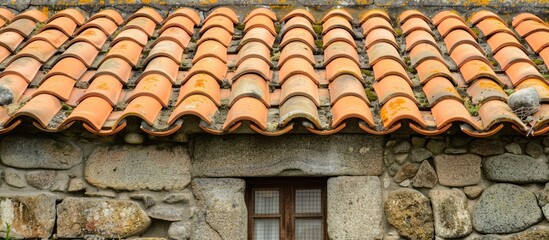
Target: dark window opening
<point>286,208</point>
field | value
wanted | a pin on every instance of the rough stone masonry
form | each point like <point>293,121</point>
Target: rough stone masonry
<point>410,187</point>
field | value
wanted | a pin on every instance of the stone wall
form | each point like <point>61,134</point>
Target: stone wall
<point>391,187</point>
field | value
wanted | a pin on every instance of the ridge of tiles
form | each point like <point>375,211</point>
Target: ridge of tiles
<point>270,74</point>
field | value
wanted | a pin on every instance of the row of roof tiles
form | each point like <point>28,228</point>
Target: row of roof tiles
<point>425,73</point>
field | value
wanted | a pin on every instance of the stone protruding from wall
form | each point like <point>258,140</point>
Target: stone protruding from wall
<point>222,211</point>
<point>81,217</point>
<point>355,208</point>
<point>452,220</point>
<point>29,216</point>
<point>505,208</point>
<point>294,155</point>
<point>410,213</point>
<point>23,151</point>
<point>515,169</point>
<point>126,167</point>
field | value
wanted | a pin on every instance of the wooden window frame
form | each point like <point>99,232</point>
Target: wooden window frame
<point>287,215</point>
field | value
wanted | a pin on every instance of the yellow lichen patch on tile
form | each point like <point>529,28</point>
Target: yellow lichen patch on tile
<point>46,11</point>
<point>207,2</point>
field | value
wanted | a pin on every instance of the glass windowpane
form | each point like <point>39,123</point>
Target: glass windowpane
<point>266,229</point>
<point>308,201</point>
<point>308,229</point>
<point>266,202</point>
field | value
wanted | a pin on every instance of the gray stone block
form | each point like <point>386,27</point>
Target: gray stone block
<point>223,213</point>
<point>515,169</point>
<point>290,155</point>
<point>505,208</point>
<point>22,151</point>
<point>128,167</point>
<point>355,208</point>
<point>78,217</point>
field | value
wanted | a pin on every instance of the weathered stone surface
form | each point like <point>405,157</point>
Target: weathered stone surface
<point>401,158</point>
<point>452,220</point>
<point>515,169</point>
<point>92,192</point>
<point>30,216</point>
<point>14,178</point>
<point>302,155</point>
<point>76,185</point>
<point>60,183</point>
<point>409,212</point>
<point>486,237</point>
<point>436,147</point>
<point>402,147</point>
<point>505,208</point>
<point>534,233</point>
<point>458,170</point>
<point>473,192</point>
<point>389,158</point>
<point>418,142</point>
<point>419,154</point>
<point>390,143</point>
<point>183,197</point>
<point>524,98</point>
<point>168,213</point>
<point>393,169</point>
<point>534,150</point>
<point>408,170</point>
<point>40,179</point>
<point>134,138</point>
<point>513,148</point>
<point>487,147</point>
<point>425,176</point>
<point>455,150</point>
<point>78,217</point>
<point>147,199</point>
<point>179,231</point>
<point>543,200</point>
<point>222,211</point>
<point>405,183</point>
<point>355,208</point>
<point>128,167</point>
<point>45,152</point>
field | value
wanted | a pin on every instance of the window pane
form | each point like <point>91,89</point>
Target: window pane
<point>266,229</point>
<point>308,229</point>
<point>266,202</point>
<point>308,201</point>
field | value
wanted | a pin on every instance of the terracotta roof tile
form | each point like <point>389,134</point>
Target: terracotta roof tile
<point>158,72</point>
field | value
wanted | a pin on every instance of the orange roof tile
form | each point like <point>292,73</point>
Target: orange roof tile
<point>260,72</point>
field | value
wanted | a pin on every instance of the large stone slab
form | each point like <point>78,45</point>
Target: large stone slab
<point>458,170</point>
<point>290,155</point>
<point>30,216</point>
<point>410,213</point>
<point>25,151</point>
<point>452,220</point>
<point>79,217</point>
<point>515,169</point>
<point>355,208</point>
<point>505,208</point>
<point>222,211</point>
<point>128,167</point>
